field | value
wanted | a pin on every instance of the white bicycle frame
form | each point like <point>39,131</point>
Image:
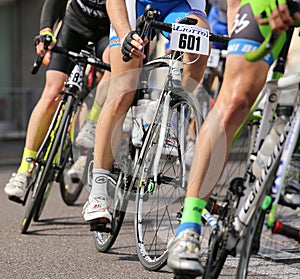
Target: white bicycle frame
<point>285,145</point>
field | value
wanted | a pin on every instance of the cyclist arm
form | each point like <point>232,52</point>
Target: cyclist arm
<point>53,10</point>
<point>232,9</point>
<point>117,13</point>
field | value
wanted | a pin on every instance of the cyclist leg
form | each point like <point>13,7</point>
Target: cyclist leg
<point>121,89</point>
<point>120,95</point>
<point>86,136</point>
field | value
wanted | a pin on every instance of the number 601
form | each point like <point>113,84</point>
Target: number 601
<point>189,42</point>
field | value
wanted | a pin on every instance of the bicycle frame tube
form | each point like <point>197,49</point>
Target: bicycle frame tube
<point>182,131</point>
<point>54,123</point>
<point>162,134</point>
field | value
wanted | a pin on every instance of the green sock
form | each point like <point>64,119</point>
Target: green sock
<point>28,157</point>
<point>191,216</point>
<point>95,112</point>
<point>192,210</point>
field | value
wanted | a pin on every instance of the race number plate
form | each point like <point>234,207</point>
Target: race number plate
<point>76,77</point>
<point>189,38</point>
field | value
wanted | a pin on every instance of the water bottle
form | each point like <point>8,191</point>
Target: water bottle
<point>177,68</point>
<point>283,113</point>
<point>148,117</point>
<point>137,130</point>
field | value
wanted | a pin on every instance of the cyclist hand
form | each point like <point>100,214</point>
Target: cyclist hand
<point>279,18</point>
<point>46,59</point>
<point>132,46</point>
<point>44,41</point>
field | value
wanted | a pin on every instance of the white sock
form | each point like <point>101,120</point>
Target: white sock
<point>99,183</point>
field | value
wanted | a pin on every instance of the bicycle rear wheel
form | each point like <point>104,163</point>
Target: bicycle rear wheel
<point>158,204</point>
<point>71,186</point>
<point>117,205</point>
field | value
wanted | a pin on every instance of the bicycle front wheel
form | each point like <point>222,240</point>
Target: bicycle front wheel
<point>39,193</point>
<point>163,179</point>
<point>45,172</point>
<point>253,230</point>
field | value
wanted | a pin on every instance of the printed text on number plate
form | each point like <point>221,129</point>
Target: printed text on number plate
<point>189,38</point>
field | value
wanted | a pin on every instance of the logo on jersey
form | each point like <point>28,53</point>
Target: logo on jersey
<point>240,23</point>
<point>92,8</point>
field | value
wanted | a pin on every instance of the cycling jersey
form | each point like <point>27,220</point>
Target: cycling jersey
<point>218,23</point>
<point>247,35</point>
<point>170,11</point>
<point>54,10</point>
<point>95,4</point>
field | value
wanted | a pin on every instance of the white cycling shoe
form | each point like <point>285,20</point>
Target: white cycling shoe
<point>95,209</point>
<point>17,184</point>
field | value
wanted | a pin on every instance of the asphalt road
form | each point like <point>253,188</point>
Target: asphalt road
<point>61,246</point>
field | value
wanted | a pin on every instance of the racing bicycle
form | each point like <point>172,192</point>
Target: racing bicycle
<point>56,151</point>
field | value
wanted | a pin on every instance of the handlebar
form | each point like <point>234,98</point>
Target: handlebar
<point>39,59</point>
<point>147,22</point>
<point>272,39</point>
<point>37,64</point>
<point>167,27</point>
<point>83,56</point>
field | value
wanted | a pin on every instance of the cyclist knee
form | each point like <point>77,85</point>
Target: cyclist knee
<point>121,104</point>
<point>50,98</point>
<point>234,108</point>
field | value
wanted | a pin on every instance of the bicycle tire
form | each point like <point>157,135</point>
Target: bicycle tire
<point>45,173</point>
<point>118,191</point>
<point>251,242</point>
<point>37,199</point>
<point>30,209</point>
<point>117,207</point>
<point>152,230</point>
<point>70,187</point>
<point>40,206</point>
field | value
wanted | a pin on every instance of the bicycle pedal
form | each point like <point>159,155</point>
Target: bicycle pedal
<point>15,199</point>
<point>100,225</point>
